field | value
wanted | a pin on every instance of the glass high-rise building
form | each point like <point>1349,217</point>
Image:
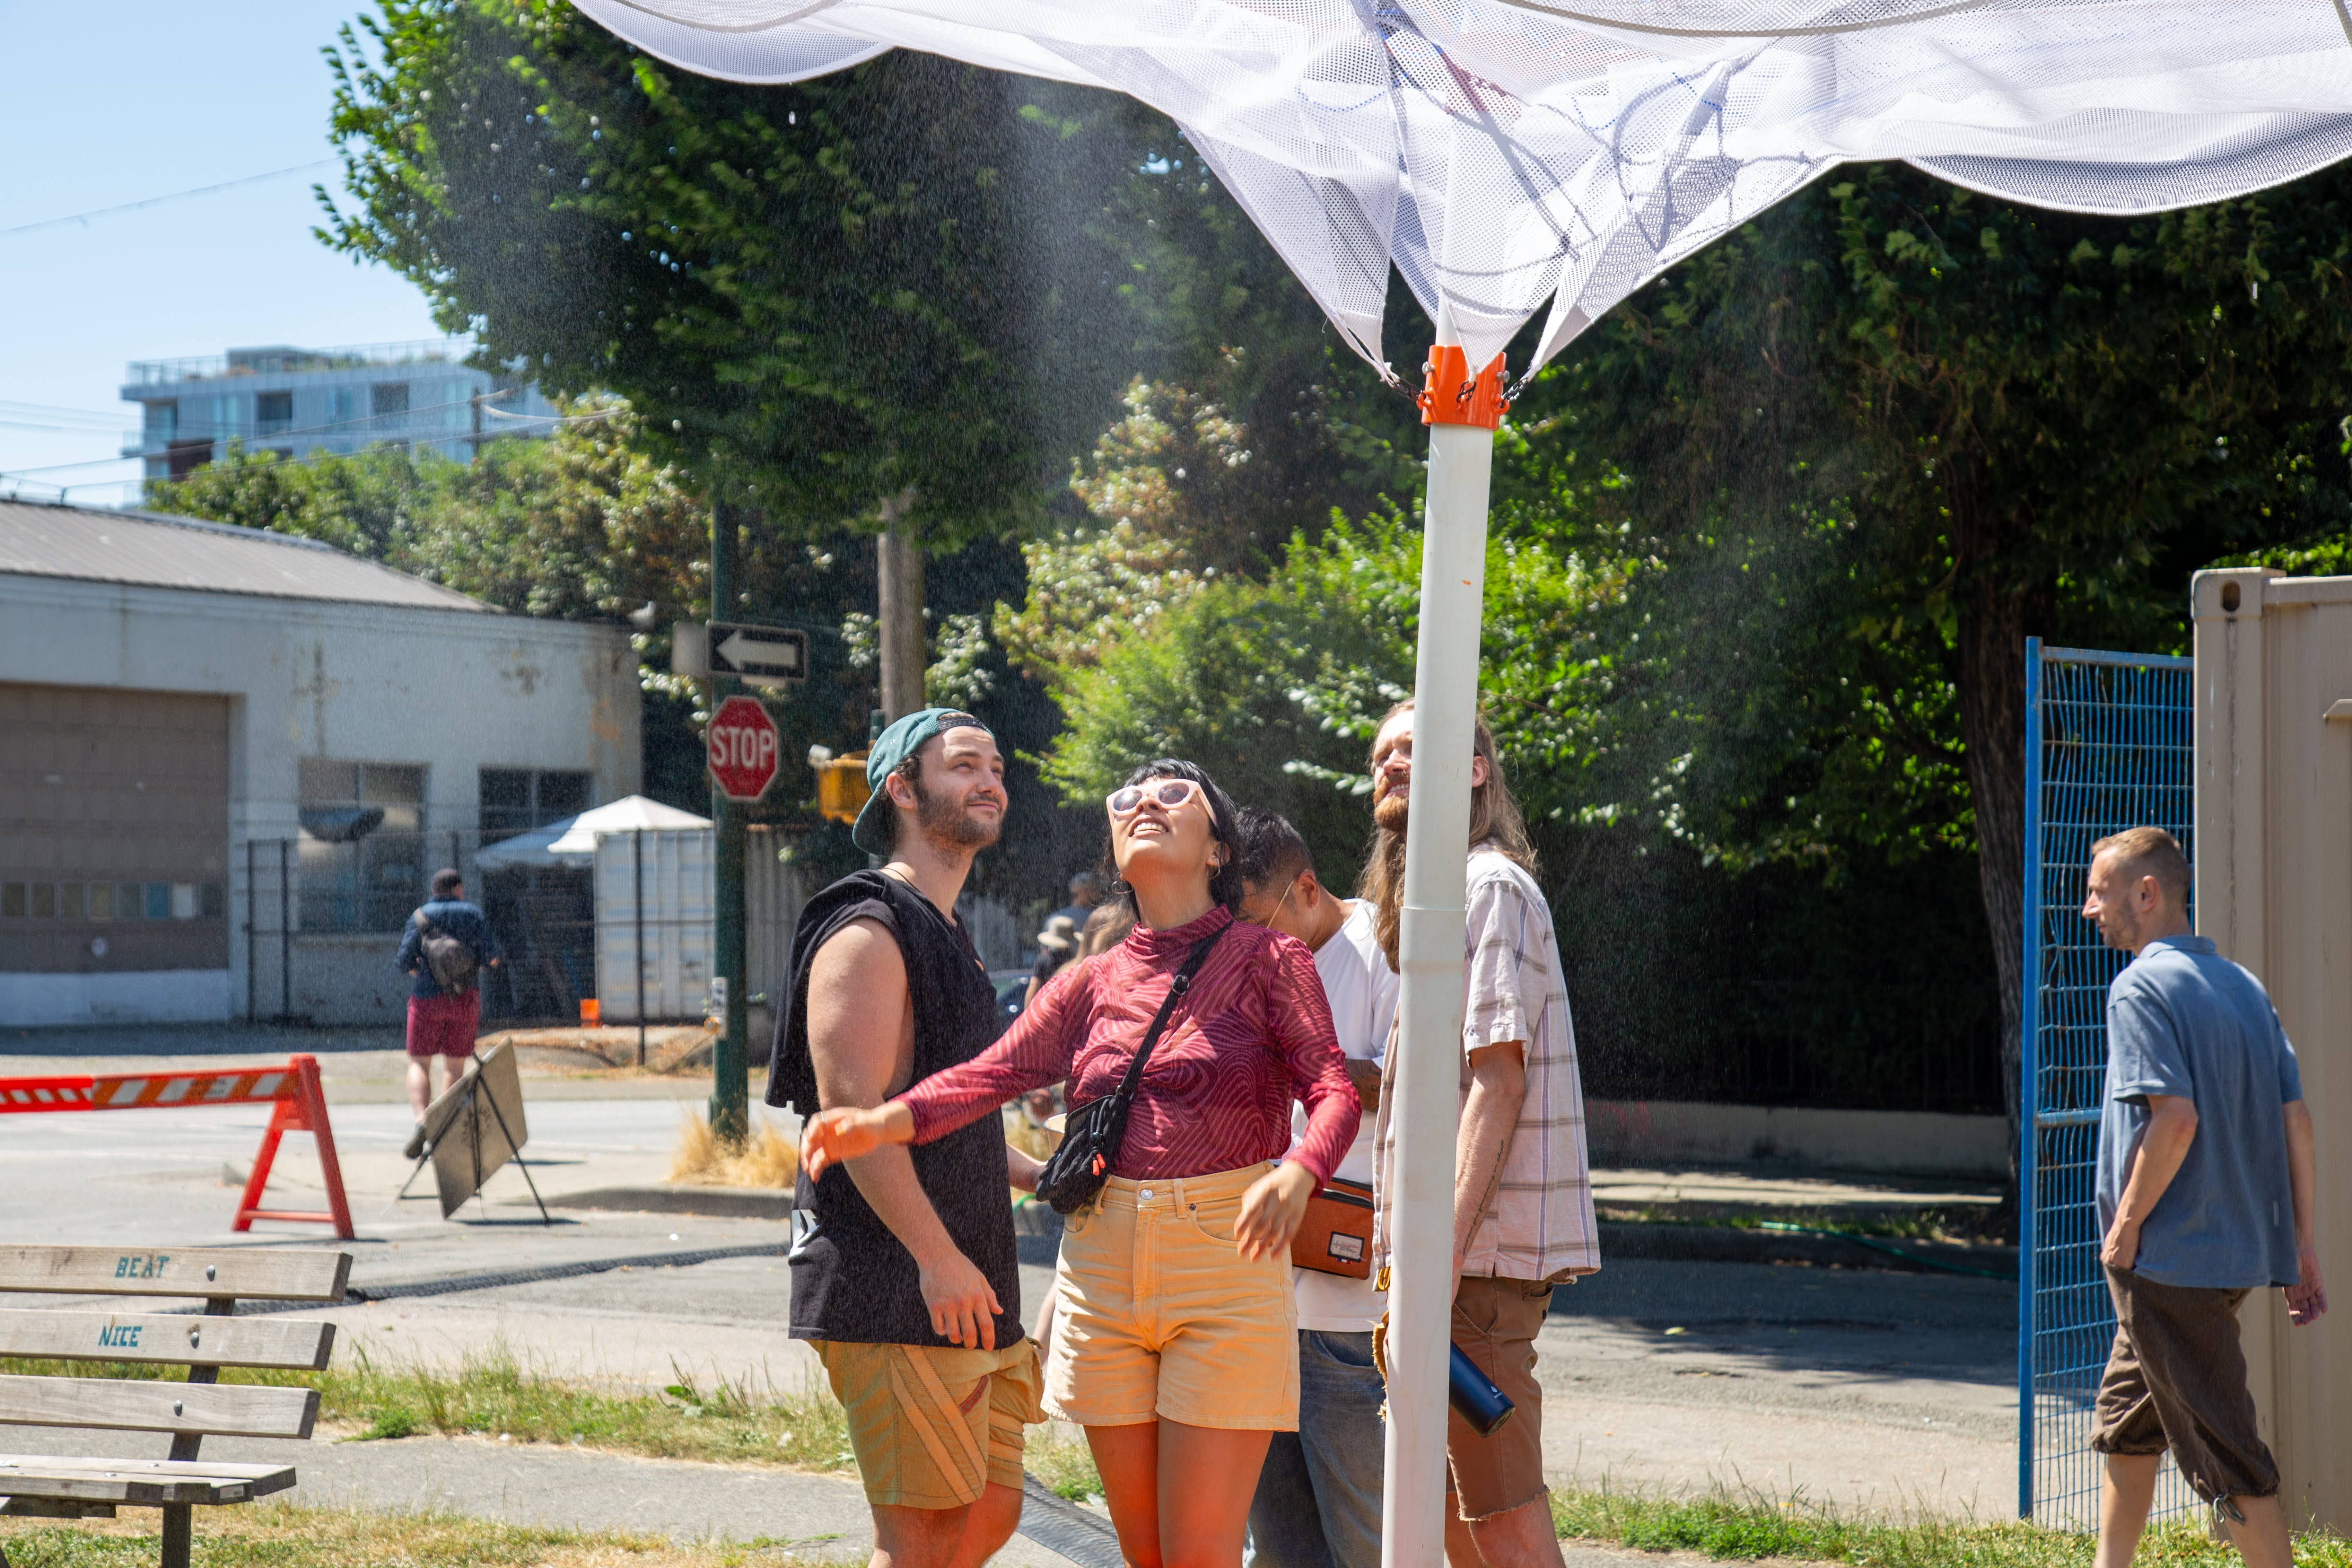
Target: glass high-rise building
<point>296,402</point>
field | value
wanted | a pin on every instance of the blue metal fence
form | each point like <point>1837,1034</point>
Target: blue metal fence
<point>2108,745</point>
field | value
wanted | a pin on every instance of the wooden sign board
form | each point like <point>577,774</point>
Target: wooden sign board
<point>476,1126</point>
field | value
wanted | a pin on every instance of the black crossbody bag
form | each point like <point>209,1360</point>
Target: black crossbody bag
<point>1093,1132</point>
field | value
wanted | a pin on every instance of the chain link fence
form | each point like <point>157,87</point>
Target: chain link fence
<point>2108,746</point>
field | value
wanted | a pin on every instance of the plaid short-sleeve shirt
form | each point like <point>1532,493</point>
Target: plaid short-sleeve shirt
<point>1539,1224</point>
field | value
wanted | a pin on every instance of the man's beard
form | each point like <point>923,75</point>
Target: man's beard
<point>1392,811</point>
<point>948,822</point>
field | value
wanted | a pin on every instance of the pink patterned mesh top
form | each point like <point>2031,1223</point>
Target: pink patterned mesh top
<point>1254,1033</point>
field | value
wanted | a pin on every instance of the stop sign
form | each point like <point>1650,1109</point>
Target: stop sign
<point>742,741</point>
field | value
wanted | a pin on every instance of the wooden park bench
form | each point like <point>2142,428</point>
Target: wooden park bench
<point>61,1487</point>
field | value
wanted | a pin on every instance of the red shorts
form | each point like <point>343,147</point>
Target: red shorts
<point>444,1026</point>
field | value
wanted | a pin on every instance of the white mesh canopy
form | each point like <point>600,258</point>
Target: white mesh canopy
<point>1507,153</point>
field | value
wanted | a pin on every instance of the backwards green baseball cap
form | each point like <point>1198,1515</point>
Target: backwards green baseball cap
<point>890,748</point>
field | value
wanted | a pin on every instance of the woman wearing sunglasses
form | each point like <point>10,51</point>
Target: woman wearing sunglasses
<point>1174,1341</point>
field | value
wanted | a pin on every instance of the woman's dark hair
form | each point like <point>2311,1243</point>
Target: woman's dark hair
<point>1225,882</point>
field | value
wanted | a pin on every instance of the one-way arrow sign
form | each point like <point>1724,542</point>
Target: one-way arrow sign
<point>770,656</point>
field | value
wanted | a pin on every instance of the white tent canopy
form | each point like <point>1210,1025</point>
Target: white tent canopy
<point>1504,152</point>
<point>629,814</point>
<point>573,841</point>
<point>533,849</point>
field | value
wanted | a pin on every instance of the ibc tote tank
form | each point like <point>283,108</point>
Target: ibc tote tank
<point>676,923</point>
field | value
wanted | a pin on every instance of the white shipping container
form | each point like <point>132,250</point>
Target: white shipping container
<point>773,892</point>
<point>675,918</point>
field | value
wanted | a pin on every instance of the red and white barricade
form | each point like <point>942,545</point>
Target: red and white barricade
<point>298,1104</point>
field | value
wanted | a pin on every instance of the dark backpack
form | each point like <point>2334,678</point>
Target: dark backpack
<point>451,962</point>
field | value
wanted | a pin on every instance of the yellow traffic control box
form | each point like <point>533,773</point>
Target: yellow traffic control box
<point>841,790</point>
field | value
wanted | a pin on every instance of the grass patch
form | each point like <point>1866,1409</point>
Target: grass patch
<point>1058,1455</point>
<point>498,1397</point>
<point>495,1395</point>
<point>271,1535</point>
<point>1735,1526</point>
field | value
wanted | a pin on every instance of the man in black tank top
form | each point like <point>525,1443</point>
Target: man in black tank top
<point>904,1272</point>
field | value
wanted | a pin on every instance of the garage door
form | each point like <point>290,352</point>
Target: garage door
<point>113,831</point>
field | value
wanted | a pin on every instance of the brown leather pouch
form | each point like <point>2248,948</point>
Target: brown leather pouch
<point>1336,1237</point>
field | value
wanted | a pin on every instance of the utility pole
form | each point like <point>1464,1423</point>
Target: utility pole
<point>729,1054</point>
<point>899,560</point>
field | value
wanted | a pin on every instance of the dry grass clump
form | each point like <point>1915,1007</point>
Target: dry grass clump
<point>767,1159</point>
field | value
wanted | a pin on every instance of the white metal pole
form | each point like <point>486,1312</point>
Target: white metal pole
<point>1427,1081</point>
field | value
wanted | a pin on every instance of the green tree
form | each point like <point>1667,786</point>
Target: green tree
<point>582,526</point>
<point>1849,458</point>
<point>832,303</point>
<point>1276,685</point>
<point>1702,963</point>
<point>2036,423</point>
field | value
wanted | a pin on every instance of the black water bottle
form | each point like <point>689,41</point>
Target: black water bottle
<point>1475,1397</point>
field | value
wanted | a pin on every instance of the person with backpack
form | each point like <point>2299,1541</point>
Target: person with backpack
<point>446,947</point>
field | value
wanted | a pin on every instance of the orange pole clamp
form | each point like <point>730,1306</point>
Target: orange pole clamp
<point>1454,396</point>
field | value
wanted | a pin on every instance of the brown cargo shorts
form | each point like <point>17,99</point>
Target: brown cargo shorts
<point>2177,1379</point>
<point>933,1426</point>
<point>1495,1322</point>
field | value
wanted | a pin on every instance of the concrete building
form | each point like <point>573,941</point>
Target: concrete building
<point>294,402</point>
<point>230,759</point>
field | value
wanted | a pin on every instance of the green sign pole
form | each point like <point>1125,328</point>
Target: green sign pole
<point>729,1113</point>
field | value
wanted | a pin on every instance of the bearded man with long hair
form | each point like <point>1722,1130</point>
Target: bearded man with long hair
<point>1522,1189</point>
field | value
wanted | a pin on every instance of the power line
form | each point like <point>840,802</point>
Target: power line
<point>320,454</point>
<point>12,406</point>
<point>172,196</point>
<point>411,438</point>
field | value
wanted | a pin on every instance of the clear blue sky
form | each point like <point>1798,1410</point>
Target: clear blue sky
<point>119,102</point>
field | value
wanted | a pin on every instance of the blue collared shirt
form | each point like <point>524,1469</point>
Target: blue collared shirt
<point>464,921</point>
<point>2183,1021</point>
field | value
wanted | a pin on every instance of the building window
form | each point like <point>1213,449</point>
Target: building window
<point>388,398</point>
<point>161,423</point>
<point>517,799</point>
<point>227,418</point>
<point>363,846</point>
<point>91,901</point>
<point>343,405</point>
<point>273,413</point>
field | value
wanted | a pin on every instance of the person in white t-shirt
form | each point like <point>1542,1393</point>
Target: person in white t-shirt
<point>1318,1497</point>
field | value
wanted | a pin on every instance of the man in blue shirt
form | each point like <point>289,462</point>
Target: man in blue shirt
<point>442,1018</point>
<point>1086,892</point>
<point>2206,1187</point>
